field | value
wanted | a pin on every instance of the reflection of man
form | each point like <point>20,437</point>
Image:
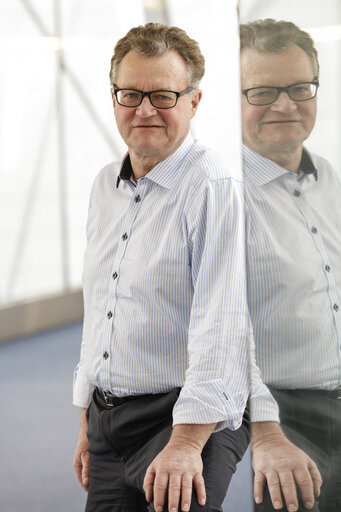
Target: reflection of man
<point>294,271</point>
<point>163,311</point>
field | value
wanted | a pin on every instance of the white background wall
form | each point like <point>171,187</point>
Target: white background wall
<point>45,178</point>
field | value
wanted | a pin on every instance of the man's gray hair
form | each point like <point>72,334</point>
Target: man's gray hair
<point>154,39</point>
<point>274,36</point>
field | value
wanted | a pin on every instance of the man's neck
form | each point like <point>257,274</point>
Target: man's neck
<point>288,158</point>
<point>142,165</point>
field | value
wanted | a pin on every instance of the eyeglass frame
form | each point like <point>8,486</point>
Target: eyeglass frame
<point>178,94</point>
<point>279,90</point>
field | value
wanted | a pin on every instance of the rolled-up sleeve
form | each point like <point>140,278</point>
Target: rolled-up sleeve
<point>216,386</point>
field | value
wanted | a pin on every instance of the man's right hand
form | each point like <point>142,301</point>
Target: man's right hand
<point>283,466</point>
<point>81,457</point>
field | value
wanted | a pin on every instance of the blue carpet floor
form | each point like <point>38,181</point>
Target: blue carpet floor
<point>39,428</point>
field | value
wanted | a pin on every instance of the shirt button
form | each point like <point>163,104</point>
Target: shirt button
<point>336,307</point>
<point>137,199</point>
<point>115,275</point>
<point>297,193</point>
<point>124,236</point>
<point>109,315</point>
<point>327,268</point>
<point>105,355</point>
<point>314,230</point>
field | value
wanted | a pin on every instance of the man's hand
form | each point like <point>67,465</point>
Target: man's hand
<point>81,457</point>
<point>178,467</point>
<point>283,466</point>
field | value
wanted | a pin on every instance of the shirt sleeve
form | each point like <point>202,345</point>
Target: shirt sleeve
<point>82,388</point>
<point>263,406</point>
<point>216,385</point>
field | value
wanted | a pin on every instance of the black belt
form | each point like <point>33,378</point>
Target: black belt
<point>112,400</point>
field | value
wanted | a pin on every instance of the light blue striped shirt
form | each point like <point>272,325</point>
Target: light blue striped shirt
<point>165,288</point>
<point>294,273</point>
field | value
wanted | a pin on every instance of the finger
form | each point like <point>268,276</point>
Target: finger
<point>274,489</point>
<point>258,486</point>
<point>316,477</point>
<point>85,470</point>
<point>159,490</point>
<point>78,470</point>
<point>148,483</point>
<point>174,489</point>
<point>305,485</point>
<point>199,486</point>
<point>289,490</point>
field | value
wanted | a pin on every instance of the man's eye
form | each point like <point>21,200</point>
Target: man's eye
<point>131,95</point>
<point>163,97</point>
<point>300,89</point>
<point>262,93</point>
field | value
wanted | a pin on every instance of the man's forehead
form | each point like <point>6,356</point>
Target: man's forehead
<point>275,68</point>
<point>168,67</point>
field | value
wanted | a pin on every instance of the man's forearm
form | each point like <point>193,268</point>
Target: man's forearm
<point>191,435</point>
<point>263,430</point>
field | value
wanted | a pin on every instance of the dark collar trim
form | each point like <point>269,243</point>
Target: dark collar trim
<point>306,164</point>
<point>126,171</point>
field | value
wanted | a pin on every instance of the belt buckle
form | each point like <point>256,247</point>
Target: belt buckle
<point>104,394</point>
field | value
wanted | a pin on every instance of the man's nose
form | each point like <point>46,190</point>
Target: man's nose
<point>146,109</point>
<point>284,103</point>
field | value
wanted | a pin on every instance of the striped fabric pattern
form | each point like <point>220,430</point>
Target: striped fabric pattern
<point>294,273</point>
<point>165,288</point>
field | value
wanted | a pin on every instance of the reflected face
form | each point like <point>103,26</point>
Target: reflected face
<point>150,132</point>
<point>285,124</point>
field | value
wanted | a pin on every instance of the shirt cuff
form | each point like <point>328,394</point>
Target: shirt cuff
<point>82,389</point>
<point>209,402</point>
<point>264,407</point>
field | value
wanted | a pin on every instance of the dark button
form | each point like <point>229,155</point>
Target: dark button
<point>336,307</point>
<point>314,230</point>
<point>109,315</point>
<point>137,199</point>
<point>124,236</point>
<point>327,268</point>
<point>297,193</point>
<point>105,355</point>
<point>115,275</point>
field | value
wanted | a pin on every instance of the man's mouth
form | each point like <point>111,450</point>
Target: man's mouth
<point>286,121</point>
<point>148,126</point>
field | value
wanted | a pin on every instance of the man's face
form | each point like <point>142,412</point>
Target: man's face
<point>285,124</point>
<point>149,132</point>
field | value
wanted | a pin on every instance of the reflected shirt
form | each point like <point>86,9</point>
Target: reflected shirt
<point>294,270</point>
<point>165,287</point>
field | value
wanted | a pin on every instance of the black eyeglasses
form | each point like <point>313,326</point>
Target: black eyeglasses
<point>301,91</point>
<point>132,98</point>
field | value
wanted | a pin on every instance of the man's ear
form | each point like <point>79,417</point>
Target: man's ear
<point>195,100</point>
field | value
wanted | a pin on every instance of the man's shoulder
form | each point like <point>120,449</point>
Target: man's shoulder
<point>210,164</point>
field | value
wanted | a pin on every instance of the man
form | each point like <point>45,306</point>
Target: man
<point>294,272</point>
<point>165,323</point>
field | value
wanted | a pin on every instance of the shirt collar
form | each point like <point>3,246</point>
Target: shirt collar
<point>262,170</point>
<point>165,173</point>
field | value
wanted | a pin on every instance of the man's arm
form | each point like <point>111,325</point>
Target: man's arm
<point>81,457</point>
<point>178,467</point>
<point>283,466</point>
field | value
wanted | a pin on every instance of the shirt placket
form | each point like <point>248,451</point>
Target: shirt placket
<point>138,193</point>
<point>295,189</point>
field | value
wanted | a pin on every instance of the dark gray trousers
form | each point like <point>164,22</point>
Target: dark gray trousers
<point>124,440</point>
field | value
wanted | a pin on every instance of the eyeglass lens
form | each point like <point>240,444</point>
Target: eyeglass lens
<point>268,95</point>
<point>159,99</point>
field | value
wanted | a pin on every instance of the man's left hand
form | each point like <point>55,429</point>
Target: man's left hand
<point>178,468</point>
